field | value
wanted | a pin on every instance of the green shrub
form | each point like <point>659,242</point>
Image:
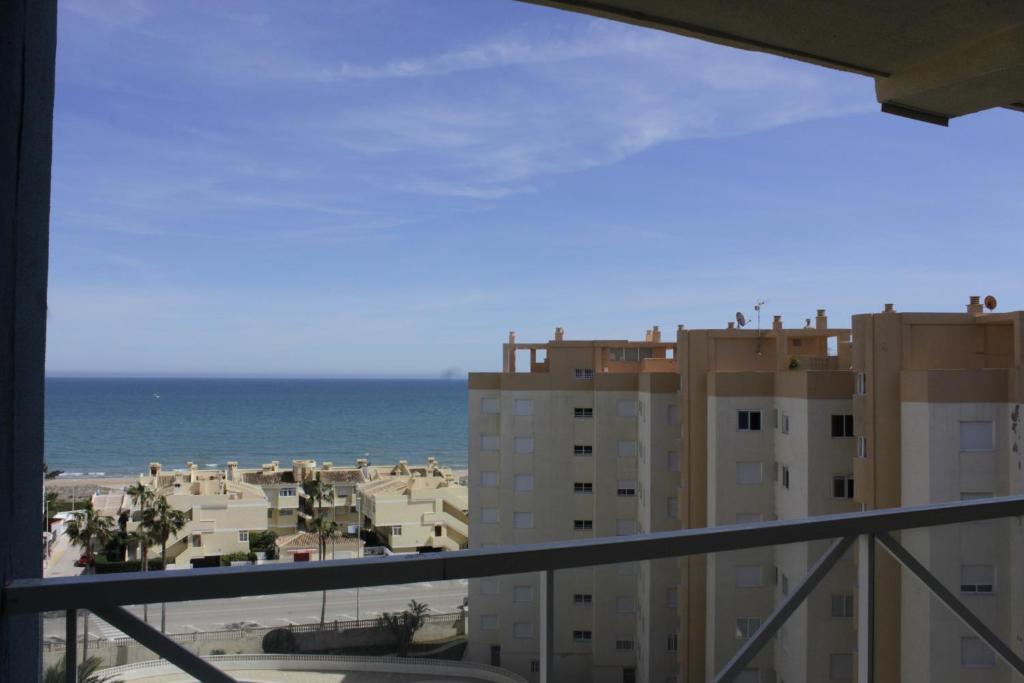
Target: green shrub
<point>218,651</point>
<point>105,566</point>
<point>280,641</point>
<point>263,541</point>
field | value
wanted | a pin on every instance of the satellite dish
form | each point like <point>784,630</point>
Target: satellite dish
<point>991,303</point>
<point>741,319</point>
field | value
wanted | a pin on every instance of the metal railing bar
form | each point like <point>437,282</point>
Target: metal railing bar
<point>174,653</point>
<point>71,649</point>
<point>782,612</point>
<point>37,595</point>
<point>951,601</point>
<point>547,627</point>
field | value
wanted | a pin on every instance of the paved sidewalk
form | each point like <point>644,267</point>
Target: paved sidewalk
<point>62,559</point>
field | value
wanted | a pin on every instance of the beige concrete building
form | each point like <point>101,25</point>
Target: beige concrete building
<point>411,507</point>
<point>937,418</point>
<point>575,439</point>
<point>220,512</point>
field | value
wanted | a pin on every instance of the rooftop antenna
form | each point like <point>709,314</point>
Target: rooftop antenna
<point>757,308</point>
<point>741,320</point>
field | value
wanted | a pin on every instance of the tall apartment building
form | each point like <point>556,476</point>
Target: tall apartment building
<point>767,434</point>
<point>575,439</point>
<point>735,426</point>
<point>937,417</point>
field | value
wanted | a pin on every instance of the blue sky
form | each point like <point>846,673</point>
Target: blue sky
<point>387,187</point>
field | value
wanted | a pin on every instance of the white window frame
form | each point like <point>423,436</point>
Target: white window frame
<point>523,482</point>
<point>988,426</point>
<point>522,594</point>
<point>583,413</point>
<point>978,585</point>
<point>524,407</point>
<point>243,536</point>
<point>583,487</point>
<point>522,443</point>
<point>741,582</point>
<point>847,486</point>
<point>749,414</point>
<point>489,479</point>
<point>582,450</point>
<point>746,627</point>
<point>396,530</point>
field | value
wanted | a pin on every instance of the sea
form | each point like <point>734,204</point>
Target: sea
<point>117,426</point>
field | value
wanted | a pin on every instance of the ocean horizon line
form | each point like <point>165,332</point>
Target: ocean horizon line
<point>265,376</point>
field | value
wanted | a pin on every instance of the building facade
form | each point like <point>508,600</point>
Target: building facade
<point>574,439</point>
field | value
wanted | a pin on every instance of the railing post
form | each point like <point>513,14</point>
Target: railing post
<point>866,608</point>
<point>71,646</point>
<point>547,624</point>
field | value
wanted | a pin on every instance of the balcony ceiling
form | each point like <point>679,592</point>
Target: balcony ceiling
<point>931,59</point>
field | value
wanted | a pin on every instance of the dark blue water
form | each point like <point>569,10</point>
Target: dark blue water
<point>117,426</point>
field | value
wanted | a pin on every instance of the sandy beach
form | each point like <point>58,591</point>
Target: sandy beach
<point>82,487</point>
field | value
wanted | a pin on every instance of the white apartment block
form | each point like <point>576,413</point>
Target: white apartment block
<point>575,440</point>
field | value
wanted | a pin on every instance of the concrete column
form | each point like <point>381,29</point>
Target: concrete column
<point>28,35</point>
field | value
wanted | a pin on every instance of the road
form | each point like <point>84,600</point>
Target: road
<point>279,610</point>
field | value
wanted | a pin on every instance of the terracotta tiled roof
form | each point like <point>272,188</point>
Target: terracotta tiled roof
<point>268,478</point>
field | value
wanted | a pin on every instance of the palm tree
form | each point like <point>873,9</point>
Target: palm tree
<point>164,522</point>
<point>86,672</point>
<point>142,497</point>
<point>143,538</point>
<point>325,530</point>
<point>403,625</point>
<point>82,530</point>
<point>319,491</point>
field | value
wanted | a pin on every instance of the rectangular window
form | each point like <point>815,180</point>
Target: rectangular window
<point>623,644</point>
<point>747,627</point>
<point>862,384</point>
<point>785,423</point>
<point>488,622</point>
<point>524,444</point>
<point>584,373</point>
<point>580,449</point>
<point>673,461</point>
<point>749,576</point>
<point>840,667</point>
<point>625,527</point>
<point>625,604</point>
<point>784,584</point>
<point>977,436</point>
<point>977,578</point>
<point>522,629</point>
<point>749,473</point>
<point>522,594</point>
<point>626,408</point>
<point>627,449</point>
<point>671,597</point>
<point>286,493</point>
<point>673,642</point>
<point>775,416</point>
<point>489,442</point>
<point>672,507</point>
<point>522,520</point>
<point>396,530</point>
<point>583,487</point>
<point>842,606</point>
<point>749,517</point>
<point>975,654</point>
<point>535,666</point>
<point>243,536</point>
<point>785,477</point>
<point>582,599</point>
<point>582,636</point>
<point>862,447</point>
<point>488,586</point>
<point>488,478</point>
<point>626,487</point>
<point>583,525</point>
<point>489,406</point>
<point>583,412</point>
<point>842,486</point>
<point>842,425</point>
<point>524,482</point>
<point>749,420</point>
<point>489,515</point>
<point>285,513</point>
<point>524,406</point>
